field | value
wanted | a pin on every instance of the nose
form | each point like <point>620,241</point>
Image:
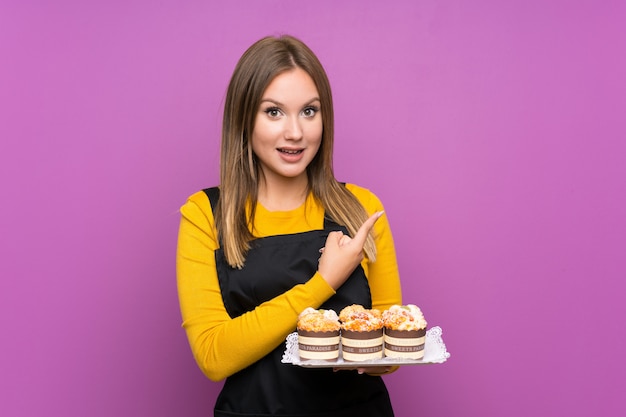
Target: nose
<point>293,129</point>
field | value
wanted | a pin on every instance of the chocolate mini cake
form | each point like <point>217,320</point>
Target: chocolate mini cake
<point>405,332</point>
<point>318,335</point>
<point>361,334</point>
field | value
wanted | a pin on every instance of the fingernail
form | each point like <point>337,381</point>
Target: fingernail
<point>380,213</point>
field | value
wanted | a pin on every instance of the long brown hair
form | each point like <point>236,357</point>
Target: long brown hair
<point>239,168</point>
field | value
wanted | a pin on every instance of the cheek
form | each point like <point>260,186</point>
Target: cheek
<point>316,139</point>
<point>261,135</point>
<point>315,132</point>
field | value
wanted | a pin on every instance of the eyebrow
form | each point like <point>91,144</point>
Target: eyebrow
<point>279,104</point>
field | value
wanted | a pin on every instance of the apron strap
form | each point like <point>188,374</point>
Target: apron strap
<point>214,195</point>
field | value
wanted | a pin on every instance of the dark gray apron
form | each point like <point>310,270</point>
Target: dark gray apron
<point>268,387</point>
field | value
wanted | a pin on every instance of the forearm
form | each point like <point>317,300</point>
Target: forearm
<point>222,345</point>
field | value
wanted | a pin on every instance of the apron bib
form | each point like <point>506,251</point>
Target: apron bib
<point>274,265</point>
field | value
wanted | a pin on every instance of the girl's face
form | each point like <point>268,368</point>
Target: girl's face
<point>288,126</point>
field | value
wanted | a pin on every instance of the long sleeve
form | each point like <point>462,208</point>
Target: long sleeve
<point>222,345</point>
<point>382,275</point>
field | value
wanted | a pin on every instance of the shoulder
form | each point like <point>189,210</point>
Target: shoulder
<point>197,224</point>
<point>367,198</point>
<point>197,207</point>
<point>199,198</point>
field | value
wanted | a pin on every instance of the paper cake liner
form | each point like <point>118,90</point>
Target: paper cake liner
<point>407,344</point>
<point>318,345</point>
<point>362,346</point>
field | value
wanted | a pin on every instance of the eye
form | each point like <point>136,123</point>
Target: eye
<point>310,111</point>
<point>273,112</point>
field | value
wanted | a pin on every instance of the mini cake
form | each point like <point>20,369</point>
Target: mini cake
<point>318,334</point>
<point>405,332</point>
<point>361,333</point>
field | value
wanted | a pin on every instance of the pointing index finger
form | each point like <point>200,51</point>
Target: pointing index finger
<point>365,228</point>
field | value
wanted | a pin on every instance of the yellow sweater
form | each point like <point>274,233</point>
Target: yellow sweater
<point>222,345</point>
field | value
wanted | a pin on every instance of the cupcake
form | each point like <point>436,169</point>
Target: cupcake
<point>361,333</point>
<point>405,332</point>
<point>318,334</point>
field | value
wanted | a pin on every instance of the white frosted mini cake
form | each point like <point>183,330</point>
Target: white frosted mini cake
<point>361,333</point>
<point>318,334</point>
<point>405,332</point>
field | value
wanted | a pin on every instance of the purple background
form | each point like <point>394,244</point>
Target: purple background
<point>493,131</point>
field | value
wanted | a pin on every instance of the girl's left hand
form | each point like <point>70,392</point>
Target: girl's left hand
<point>342,254</point>
<point>374,370</point>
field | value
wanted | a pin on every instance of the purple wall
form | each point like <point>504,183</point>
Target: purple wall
<point>493,131</point>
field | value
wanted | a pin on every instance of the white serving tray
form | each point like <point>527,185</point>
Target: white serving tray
<point>434,352</point>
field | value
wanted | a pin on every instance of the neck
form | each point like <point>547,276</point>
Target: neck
<point>283,195</point>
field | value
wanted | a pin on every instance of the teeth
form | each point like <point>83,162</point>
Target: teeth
<point>290,152</point>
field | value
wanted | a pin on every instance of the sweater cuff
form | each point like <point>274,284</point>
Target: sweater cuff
<point>320,290</point>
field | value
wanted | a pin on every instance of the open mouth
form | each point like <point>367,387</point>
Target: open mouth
<point>291,151</point>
